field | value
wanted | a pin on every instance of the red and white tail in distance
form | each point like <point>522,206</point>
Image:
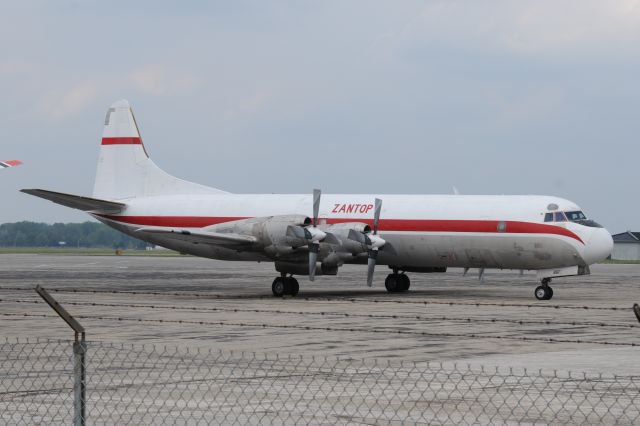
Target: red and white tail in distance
<point>124,168</point>
<point>5,164</point>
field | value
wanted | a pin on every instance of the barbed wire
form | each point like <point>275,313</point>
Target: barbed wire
<point>338,314</point>
<point>336,329</point>
<point>312,298</point>
<point>130,383</point>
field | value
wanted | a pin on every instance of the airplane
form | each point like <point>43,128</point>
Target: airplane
<point>5,164</point>
<point>315,234</point>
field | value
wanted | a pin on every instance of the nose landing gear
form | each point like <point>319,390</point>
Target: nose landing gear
<point>544,292</point>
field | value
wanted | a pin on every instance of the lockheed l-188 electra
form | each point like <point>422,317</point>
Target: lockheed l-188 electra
<point>313,234</point>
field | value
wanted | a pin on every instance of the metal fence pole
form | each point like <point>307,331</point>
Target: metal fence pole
<point>79,353</point>
<point>79,384</point>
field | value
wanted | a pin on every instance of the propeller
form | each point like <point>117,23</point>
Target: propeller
<point>372,241</point>
<point>312,235</point>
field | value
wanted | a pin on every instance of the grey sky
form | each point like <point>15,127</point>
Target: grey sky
<point>495,97</point>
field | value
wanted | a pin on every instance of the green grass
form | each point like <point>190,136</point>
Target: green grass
<point>621,262</point>
<point>85,251</point>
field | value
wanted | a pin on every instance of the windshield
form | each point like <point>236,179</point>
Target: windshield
<point>573,216</point>
<point>579,218</point>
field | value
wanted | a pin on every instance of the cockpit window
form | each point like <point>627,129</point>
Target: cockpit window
<point>559,217</point>
<point>573,216</point>
<point>579,218</point>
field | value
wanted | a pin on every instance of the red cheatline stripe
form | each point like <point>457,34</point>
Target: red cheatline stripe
<point>122,141</point>
<point>172,221</point>
<point>406,225</point>
<point>13,162</point>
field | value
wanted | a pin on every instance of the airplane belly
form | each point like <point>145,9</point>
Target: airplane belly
<point>502,251</point>
<point>200,250</point>
<point>207,251</point>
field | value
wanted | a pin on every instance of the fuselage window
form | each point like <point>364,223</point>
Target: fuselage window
<point>548,217</point>
<point>559,217</point>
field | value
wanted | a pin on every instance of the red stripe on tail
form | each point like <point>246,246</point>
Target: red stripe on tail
<point>122,141</point>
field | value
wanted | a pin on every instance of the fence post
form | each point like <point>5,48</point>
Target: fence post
<point>79,353</point>
<point>79,385</point>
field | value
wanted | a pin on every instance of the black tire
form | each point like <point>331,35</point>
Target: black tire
<point>294,287</point>
<point>543,292</point>
<point>278,288</point>
<point>392,283</point>
<point>405,282</point>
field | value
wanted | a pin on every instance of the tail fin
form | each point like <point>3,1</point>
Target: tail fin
<point>124,167</point>
<point>9,163</point>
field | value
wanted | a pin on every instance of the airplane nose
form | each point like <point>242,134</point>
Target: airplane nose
<point>599,246</point>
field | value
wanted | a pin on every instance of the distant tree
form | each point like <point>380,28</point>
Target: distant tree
<point>86,234</point>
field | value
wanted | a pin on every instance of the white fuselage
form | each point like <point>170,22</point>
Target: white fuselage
<point>506,232</point>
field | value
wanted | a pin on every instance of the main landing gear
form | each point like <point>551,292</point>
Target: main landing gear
<point>396,283</point>
<point>285,286</point>
<point>544,292</point>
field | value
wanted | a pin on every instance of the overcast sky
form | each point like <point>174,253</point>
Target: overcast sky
<point>493,97</point>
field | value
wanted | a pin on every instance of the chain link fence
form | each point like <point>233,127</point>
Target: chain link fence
<point>134,384</point>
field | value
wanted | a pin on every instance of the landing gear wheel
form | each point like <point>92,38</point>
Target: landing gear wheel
<point>285,286</point>
<point>294,287</point>
<point>404,282</point>
<point>392,283</point>
<point>278,288</point>
<point>544,292</point>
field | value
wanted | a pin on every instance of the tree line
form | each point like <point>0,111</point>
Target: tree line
<point>87,234</point>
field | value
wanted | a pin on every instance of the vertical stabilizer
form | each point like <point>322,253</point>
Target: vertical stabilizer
<point>124,167</point>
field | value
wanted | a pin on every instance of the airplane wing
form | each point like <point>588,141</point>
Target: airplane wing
<point>228,240</point>
<point>86,204</point>
<point>5,164</point>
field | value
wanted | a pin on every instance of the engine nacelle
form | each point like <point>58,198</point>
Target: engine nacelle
<point>341,231</point>
<point>270,231</point>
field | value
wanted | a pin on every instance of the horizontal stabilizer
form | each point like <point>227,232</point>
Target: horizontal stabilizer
<point>202,237</point>
<point>86,204</point>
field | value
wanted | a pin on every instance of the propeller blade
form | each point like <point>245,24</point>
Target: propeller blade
<point>313,258</point>
<point>376,215</point>
<point>316,206</point>
<point>371,264</point>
